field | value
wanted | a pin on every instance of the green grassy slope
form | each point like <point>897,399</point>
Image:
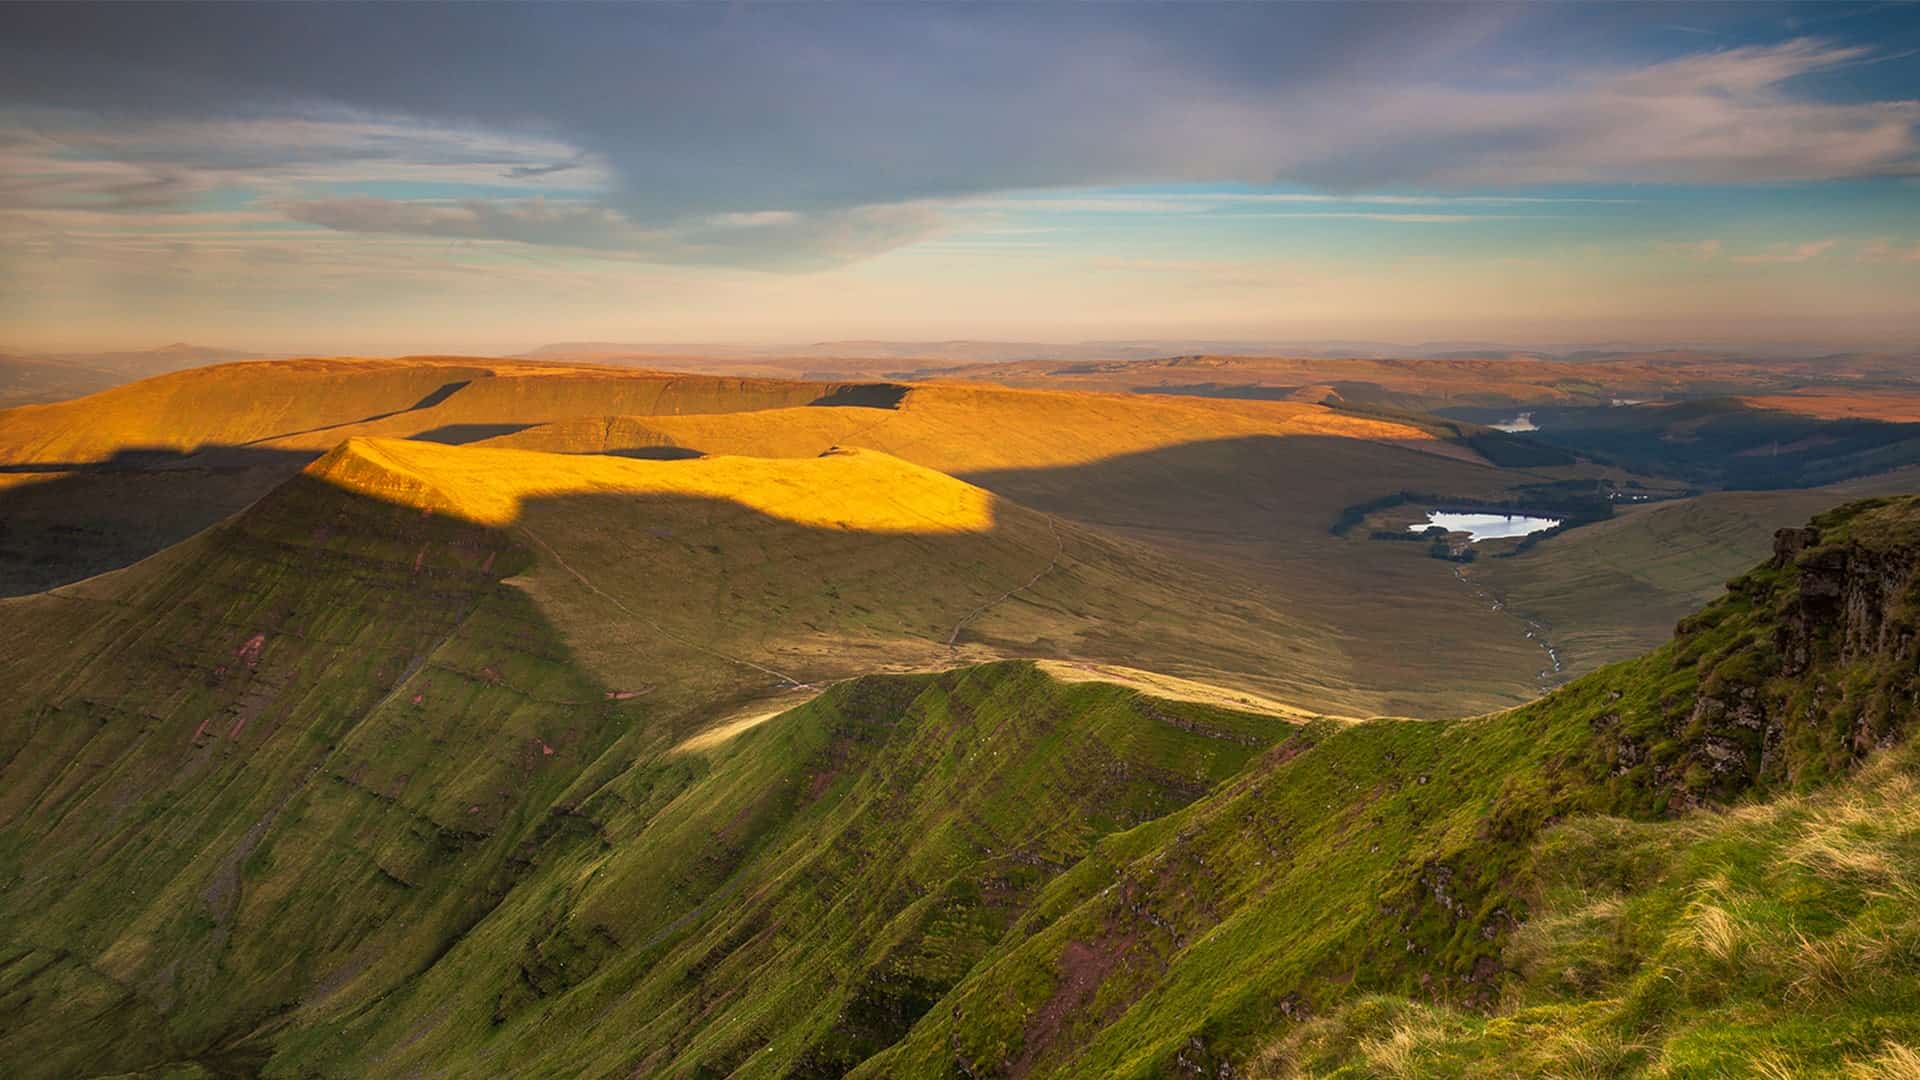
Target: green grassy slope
<point>793,900</point>
<point>277,772</point>
<point>1399,858</point>
<point>338,789</point>
<point>1782,939</point>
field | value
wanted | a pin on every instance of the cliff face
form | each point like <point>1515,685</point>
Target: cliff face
<point>1854,601</point>
<point>1806,666</point>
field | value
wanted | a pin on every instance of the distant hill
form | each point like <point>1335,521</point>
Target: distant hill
<point>26,378</point>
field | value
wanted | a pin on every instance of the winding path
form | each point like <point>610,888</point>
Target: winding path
<point>1059,549</point>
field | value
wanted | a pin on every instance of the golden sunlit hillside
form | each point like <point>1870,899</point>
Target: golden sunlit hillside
<point>313,404</point>
<point>749,576</point>
<point>1243,488</point>
<point>851,490</point>
<point>967,429</point>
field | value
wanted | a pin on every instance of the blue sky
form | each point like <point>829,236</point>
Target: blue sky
<point>365,177</point>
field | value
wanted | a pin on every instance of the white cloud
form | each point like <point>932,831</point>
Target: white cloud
<point>1725,117</point>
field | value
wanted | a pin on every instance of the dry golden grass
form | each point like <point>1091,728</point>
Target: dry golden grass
<point>850,490</point>
<point>1861,840</point>
<point>1714,931</point>
<point>1397,1052</point>
<point>965,429</point>
<point>1895,1061</point>
<point>314,404</point>
<point>1178,689</point>
<point>1841,404</point>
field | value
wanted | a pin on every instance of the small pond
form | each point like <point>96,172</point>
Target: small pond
<point>1485,526</point>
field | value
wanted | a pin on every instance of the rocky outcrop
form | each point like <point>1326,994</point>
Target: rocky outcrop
<point>1810,662</point>
<point>1827,669</point>
<point>1853,602</point>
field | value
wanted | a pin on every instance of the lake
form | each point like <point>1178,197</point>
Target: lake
<point>1480,527</point>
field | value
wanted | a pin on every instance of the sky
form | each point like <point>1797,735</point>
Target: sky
<point>490,177</point>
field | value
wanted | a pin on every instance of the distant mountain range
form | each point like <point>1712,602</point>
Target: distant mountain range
<point>28,377</point>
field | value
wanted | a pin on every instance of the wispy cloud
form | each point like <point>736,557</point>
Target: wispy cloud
<point>57,159</point>
<point>1691,249</point>
<point>1789,253</point>
<point>1201,202</point>
<point>1400,218</point>
<point>1885,249</point>
<point>774,238</point>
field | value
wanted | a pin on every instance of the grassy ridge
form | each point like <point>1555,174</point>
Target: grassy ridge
<point>287,763</point>
<point>793,900</point>
<point>313,404</point>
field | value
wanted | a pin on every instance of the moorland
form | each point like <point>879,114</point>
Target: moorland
<point>1071,717</point>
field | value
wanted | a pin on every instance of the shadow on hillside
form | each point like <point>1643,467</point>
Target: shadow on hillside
<point>441,742</point>
<point>435,397</point>
<point>1727,443</point>
<point>98,516</point>
<point>1265,489</point>
<point>656,453</point>
<point>1237,391</point>
<point>738,602</point>
<point>864,396</point>
<point>462,434</point>
<point>1255,511</point>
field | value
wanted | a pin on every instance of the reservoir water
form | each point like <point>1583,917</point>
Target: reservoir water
<point>1480,527</point>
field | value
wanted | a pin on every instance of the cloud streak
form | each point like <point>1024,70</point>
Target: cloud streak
<point>1793,253</point>
<point>1885,249</point>
<point>776,239</point>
